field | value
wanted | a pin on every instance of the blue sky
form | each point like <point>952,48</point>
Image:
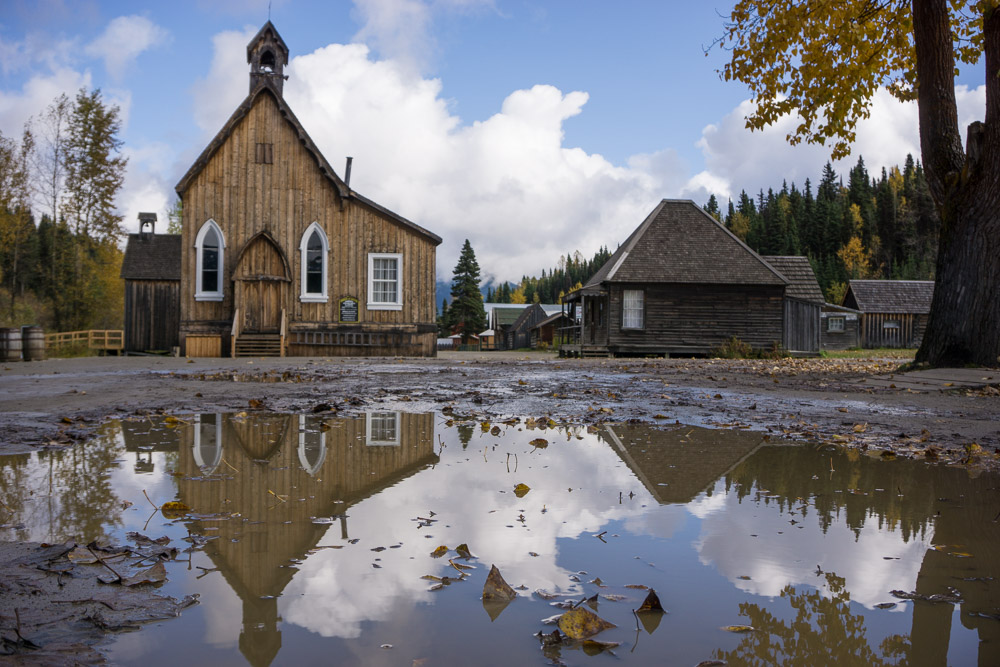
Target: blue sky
<point>533,129</point>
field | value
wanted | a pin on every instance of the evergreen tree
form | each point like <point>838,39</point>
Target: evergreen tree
<point>466,314</point>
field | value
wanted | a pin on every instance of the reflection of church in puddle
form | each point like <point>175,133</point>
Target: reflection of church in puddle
<point>275,473</point>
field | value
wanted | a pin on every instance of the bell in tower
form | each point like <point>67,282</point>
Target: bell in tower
<point>267,55</point>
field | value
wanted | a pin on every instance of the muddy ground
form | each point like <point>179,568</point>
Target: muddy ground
<point>945,416</point>
<point>862,403</point>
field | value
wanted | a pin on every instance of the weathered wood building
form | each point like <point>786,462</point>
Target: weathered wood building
<point>680,284</point>
<point>151,270</point>
<point>281,256</point>
<point>840,327</point>
<point>803,304</point>
<point>893,312</point>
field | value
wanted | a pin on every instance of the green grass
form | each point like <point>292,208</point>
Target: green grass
<point>861,353</point>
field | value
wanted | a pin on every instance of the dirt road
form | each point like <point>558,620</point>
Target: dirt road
<point>861,403</point>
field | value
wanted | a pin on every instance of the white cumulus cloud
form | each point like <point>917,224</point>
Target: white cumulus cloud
<point>123,40</point>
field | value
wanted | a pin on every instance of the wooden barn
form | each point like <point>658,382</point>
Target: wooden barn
<point>151,270</point>
<point>893,312</point>
<point>803,304</point>
<point>680,284</point>
<point>280,256</point>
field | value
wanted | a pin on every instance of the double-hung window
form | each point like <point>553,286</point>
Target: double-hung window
<point>210,248</point>
<point>632,309</point>
<point>835,324</point>
<point>385,281</point>
<point>314,250</point>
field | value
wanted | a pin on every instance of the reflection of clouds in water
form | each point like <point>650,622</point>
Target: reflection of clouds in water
<point>662,523</point>
<point>774,560</point>
<point>706,505</point>
<point>224,617</point>
<point>474,503</point>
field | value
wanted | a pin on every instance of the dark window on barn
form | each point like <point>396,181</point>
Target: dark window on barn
<point>264,154</point>
<point>835,324</point>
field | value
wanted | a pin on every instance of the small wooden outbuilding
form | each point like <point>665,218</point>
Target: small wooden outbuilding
<point>151,270</point>
<point>840,327</point>
<point>803,304</point>
<point>551,331</point>
<point>680,284</point>
<point>893,312</point>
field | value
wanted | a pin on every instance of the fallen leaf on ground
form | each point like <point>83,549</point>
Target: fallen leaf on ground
<point>153,575</point>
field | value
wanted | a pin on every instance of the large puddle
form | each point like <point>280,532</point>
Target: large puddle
<point>325,537</point>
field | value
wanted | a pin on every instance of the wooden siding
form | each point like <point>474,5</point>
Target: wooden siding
<point>282,199</point>
<point>802,320</point>
<point>152,315</point>
<point>694,319</point>
<point>875,333</point>
<point>203,346</point>
<point>840,340</point>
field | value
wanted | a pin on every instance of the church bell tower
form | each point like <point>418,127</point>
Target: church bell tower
<point>267,56</point>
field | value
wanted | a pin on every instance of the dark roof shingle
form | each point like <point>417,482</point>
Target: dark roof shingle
<point>890,296</point>
<point>802,283</point>
<point>679,243</point>
<point>152,257</point>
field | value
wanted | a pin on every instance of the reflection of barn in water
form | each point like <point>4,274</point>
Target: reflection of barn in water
<point>277,472</point>
<point>677,464</point>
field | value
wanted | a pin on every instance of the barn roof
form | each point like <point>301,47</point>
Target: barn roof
<point>152,257</point>
<point>680,243</point>
<point>890,296</point>
<point>341,188</point>
<point>802,283</point>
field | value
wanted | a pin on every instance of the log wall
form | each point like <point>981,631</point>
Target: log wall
<point>877,330</point>
<point>694,319</point>
<point>282,199</point>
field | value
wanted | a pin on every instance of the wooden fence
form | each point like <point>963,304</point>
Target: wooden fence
<point>94,339</point>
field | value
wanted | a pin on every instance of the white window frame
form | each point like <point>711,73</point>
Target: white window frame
<point>313,297</point>
<point>628,323</point>
<point>372,442</point>
<point>199,293</point>
<point>207,467</point>
<point>841,323</point>
<point>385,305</point>
<point>310,467</point>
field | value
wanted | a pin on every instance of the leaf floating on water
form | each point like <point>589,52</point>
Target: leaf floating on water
<point>613,597</point>
<point>651,603</point>
<point>640,587</point>
<point>496,588</point>
<point>541,443</point>
<point>495,430</point>
<point>521,490</point>
<point>581,623</point>
<point>885,605</point>
<point>440,551</point>
<point>738,628</point>
<point>174,510</point>
<point>153,575</point>
<point>463,551</point>
<point>256,403</point>
<point>591,647</point>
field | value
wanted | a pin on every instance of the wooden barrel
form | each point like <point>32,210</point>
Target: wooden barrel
<point>33,339</point>
<point>10,344</point>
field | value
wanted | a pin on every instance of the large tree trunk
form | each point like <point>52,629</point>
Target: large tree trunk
<point>964,324</point>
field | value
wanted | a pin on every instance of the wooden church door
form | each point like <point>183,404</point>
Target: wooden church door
<point>261,281</point>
